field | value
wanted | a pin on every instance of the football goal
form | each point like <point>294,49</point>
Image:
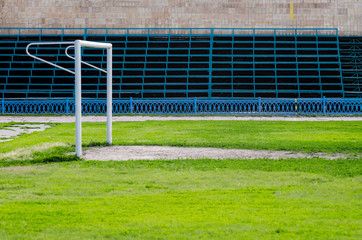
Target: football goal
<point>78,44</point>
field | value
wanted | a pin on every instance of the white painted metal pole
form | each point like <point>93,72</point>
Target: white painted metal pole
<point>78,98</point>
<point>109,95</point>
<point>78,44</point>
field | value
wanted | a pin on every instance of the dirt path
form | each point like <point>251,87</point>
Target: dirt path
<point>124,153</point>
<point>69,119</point>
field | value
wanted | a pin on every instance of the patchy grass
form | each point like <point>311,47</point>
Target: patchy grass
<point>336,168</point>
<point>331,137</point>
<point>5,125</point>
<point>188,199</point>
<point>52,144</point>
<point>38,154</point>
<point>21,129</point>
<point>26,153</point>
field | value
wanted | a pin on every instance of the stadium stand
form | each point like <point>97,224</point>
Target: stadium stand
<point>188,63</point>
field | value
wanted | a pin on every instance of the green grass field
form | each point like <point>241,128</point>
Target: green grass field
<point>332,137</point>
<point>45,194</point>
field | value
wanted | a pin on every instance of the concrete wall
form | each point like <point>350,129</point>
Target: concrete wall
<point>343,14</point>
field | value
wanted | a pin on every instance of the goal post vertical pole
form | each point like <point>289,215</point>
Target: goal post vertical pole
<point>78,98</point>
<point>109,95</point>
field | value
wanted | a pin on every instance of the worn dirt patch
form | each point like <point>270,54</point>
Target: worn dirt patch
<point>9,133</point>
<point>124,153</point>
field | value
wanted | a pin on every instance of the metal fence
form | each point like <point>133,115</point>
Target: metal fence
<point>322,106</point>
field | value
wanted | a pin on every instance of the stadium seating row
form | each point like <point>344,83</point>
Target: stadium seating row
<point>186,66</point>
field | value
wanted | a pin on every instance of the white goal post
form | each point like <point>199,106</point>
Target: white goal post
<point>78,44</point>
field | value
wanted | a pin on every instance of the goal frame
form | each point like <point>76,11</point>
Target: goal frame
<point>78,44</point>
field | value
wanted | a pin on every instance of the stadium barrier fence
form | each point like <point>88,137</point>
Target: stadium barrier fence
<point>321,106</point>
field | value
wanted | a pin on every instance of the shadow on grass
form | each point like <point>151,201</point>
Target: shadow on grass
<point>40,161</point>
<point>51,155</point>
<point>336,168</point>
<point>97,144</point>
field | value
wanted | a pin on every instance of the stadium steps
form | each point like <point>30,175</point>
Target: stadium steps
<point>173,66</point>
<point>351,60</point>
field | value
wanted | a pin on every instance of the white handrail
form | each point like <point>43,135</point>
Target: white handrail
<point>91,44</point>
<point>45,61</point>
<point>88,64</point>
<point>66,53</point>
<point>78,44</point>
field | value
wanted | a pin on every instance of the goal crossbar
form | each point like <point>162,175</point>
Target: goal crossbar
<point>78,44</point>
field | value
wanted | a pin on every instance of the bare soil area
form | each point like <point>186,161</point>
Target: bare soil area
<point>124,153</point>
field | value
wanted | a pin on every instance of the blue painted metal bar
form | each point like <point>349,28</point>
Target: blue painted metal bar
<point>3,106</point>
<point>67,106</point>
<point>209,94</point>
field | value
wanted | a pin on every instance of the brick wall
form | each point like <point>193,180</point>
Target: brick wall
<point>343,14</point>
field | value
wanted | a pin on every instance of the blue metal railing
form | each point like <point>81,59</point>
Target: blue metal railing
<point>322,106</point>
